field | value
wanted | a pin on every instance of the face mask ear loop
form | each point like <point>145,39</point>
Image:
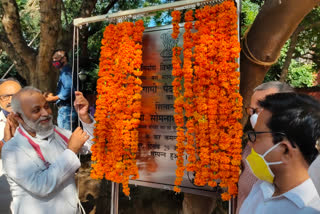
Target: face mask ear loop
<point>267,152</point>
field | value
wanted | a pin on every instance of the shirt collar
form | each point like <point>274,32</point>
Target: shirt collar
<point>2,117</point>
<point>37,140</point>
<point>301,195</point>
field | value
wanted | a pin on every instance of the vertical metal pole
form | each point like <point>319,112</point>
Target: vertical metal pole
<point>114,198</point>
<point>232,202</point>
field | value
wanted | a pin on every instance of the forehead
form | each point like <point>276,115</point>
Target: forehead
<point>58,54</point>
<point>30,100</point>
<point>260,95</point>
<point>9,87</point>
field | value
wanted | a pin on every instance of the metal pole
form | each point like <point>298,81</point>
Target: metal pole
<point>114,198</point>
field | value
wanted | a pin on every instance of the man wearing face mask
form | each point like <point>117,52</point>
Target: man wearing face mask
<point>8,126</point>
<point>64,90</point>
<point>284,140</point>
<point>247,179</point>
<point>41,159</point>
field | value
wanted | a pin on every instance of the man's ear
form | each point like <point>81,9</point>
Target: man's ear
<point>288,151</point>
<point>18,118</point>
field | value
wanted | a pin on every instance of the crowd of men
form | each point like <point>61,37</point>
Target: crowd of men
<point>40,159</point>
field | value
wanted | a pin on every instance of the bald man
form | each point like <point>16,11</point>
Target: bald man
<point>40,161</point>
<point>7,88</point>
<point>8,126</point>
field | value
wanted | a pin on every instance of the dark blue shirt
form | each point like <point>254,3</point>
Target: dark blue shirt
<point>64,86</point>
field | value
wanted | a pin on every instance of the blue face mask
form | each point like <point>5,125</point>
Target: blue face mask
<point>5,112</point>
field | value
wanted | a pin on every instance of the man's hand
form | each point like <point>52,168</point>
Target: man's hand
<point>50,97</point>
<point>10,127</point>
<point>77,139</point>
<point>81,105</point>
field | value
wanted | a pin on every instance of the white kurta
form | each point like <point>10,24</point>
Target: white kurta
<point>35,188</point>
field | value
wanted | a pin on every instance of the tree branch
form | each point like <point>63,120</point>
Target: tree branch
<point>111,4</point>
<point>16,59</point>
<point>87,7</point>
<point>272,27</point>
<point>11,24</point>
<point>292,47</point>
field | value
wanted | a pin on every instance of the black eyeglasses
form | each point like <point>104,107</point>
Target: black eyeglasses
<point>252,135</point>
<point>250,111</point>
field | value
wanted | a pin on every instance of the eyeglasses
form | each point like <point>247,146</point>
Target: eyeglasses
<point>250,111</point>
<point>252,135</point>
<point>6,97</point>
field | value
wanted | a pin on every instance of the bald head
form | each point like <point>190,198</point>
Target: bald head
<point>7,89</point>
<point>23,95</point>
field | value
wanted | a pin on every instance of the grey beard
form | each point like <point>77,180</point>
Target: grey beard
<point>37,127</point>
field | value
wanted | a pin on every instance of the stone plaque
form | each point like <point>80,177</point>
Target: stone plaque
<point>157,157</point>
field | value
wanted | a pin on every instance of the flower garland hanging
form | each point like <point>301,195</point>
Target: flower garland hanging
<point>179,101</point>
<point>118,104</point>
<point>211,99</point>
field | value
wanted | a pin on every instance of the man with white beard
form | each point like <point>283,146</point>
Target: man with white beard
<point>41,159</point>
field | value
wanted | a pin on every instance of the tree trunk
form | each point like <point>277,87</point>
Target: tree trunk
<point>50,13</point>
<point>271,29</point>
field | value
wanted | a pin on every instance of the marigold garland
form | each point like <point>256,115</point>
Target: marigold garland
<point>179,102</point>
<point>211,99</point>
<point>118,104</point>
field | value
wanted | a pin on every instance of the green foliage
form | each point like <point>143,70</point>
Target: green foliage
<point>301,75</point>
<point>307,51</point>
<point>274,72</point>
<point>29,20</point>
<point>249,11</point>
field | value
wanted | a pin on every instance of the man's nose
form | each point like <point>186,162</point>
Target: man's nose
<point>44,112</point>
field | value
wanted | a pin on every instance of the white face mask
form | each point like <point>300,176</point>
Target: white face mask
<point>253,119</point>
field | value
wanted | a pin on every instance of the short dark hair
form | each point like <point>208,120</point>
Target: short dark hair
<point>298,117</point>
<point>65,53</point>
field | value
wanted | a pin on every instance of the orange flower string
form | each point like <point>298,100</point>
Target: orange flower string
<point>211,99</point>
<point>179,101</point>
<point>118,104</point>
<point>188,93</point>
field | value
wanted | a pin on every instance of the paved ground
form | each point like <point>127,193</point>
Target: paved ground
<point>5,196</point>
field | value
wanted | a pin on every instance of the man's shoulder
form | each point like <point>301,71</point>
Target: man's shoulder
<point>11,144</point>
<point>66,68</point>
